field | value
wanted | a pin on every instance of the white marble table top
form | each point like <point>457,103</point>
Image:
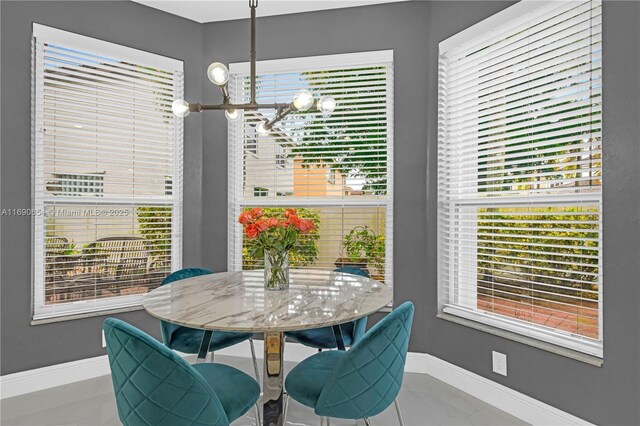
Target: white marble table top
<point>237,301</point>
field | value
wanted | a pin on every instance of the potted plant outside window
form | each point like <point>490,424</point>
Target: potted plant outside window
<point>363,249</point>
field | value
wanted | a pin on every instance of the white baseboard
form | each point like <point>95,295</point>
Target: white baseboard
<point>54,375</point>
<point>506,399</point>
<point>503,398</point>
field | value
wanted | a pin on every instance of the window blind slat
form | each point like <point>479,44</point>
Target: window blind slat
<point>529,24</point>
<point>76,55</point>
<point>520,112</point>
<point>56,70</point>
<point>563,54</point>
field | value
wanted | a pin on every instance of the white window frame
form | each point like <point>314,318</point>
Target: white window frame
<point>513,16</point>
<point>40,311</point>
<point>235,189</point>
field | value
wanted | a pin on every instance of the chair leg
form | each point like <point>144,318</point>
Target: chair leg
<point>258,419</point>
<point>328,421</point>
<point>397,404</point>
<point>255,361</point>
<point>255,370</point>
<point>286,408</point>
<point>366,421</point>
<point>322,421</point>
<point>211,356</point>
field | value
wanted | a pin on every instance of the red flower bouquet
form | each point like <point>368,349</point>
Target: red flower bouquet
<point>274,238</point>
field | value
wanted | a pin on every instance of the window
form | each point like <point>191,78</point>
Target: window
<point>107,173</point>
<point>76,184</point>
<point>260,192</point>
<point>252,146</point>
<point>331,177</point>
<point>353,211</point>
<point>519,173</point>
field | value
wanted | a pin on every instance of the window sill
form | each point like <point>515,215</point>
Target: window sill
<point>72,317</point>
<point>539,344</point>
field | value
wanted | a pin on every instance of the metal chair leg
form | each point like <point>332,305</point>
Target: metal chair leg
<point>258,415</point>
<point>397,404</point>
<point>255,370</point>
<point>255,361</point>
<point>211,356</point>
<point>328,421</point>
<point>286,408</point>
<point>258,419</point>
<point>366,421</point>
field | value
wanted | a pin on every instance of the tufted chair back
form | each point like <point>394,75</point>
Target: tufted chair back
<point>367,380</point>
<point>153,385</point>
<point>166,328</point>
<point>352,270</point>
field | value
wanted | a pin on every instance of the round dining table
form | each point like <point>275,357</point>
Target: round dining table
<point>238,301</point>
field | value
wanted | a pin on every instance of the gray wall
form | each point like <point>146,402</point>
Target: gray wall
<point>24,346</point>
<point>607,395</point>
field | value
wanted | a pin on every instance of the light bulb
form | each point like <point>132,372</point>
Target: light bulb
<point>180,107</point>
<point>232,114</point>
<point>262,128</point>
<point>302,100</point>
<point>218,74</point>
<point>326,104</point>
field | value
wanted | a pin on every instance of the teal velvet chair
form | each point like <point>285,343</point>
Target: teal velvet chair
<point>361,382</point>
<point>188,340</point>
<point>324,338</point>
<point>155,386</point>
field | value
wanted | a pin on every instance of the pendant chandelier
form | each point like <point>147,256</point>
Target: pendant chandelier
<point>218,73</point>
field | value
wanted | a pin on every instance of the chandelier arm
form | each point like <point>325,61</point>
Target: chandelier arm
<point>230,106</point>
<point>281,114</point>
<point>225,94</point>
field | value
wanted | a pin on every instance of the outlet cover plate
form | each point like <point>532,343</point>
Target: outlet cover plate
<point>499,363</point>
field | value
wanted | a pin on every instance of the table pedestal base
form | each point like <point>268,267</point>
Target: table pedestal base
<point>272,379</point>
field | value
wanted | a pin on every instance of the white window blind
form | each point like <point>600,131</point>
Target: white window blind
<point>337,170</point>
<point>107,173</point>
<point>519,173</point>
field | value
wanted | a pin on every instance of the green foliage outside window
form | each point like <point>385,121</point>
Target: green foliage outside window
<point>363,243</point>
<point>515,261</point>
<point>358,150</point>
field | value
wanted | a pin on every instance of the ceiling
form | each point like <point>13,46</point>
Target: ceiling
<point>226,10</point>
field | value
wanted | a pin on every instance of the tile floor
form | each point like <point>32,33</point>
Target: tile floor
<point>424,401</point>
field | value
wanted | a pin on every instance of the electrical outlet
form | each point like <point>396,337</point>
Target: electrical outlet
<point>499,363</point>
<point>104,342</point>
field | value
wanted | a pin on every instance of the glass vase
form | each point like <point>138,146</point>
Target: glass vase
<point>276,270</point>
